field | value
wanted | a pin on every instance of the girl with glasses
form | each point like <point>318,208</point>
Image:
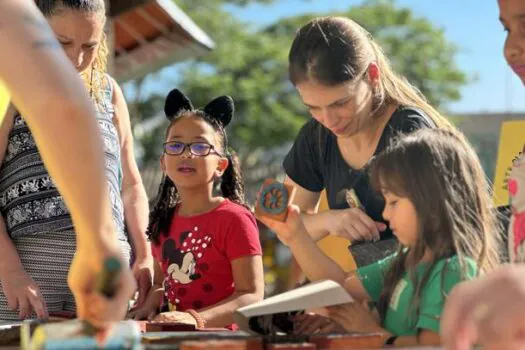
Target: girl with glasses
<point>207,249</point>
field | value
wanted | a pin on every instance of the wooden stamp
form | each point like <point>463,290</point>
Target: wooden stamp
<point>349,341</point>
<point>161,326</point>
<point>241,344</point>
<point>274,199</point>
<point>292,346</point>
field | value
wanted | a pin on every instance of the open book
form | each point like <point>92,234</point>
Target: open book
<point>275,315</point>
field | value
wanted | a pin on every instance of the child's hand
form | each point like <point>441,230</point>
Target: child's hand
<point>355,317</point>
<point>311,323</point>
<point>176,316</point>
<point>290,229</point>
<point>150,307</point>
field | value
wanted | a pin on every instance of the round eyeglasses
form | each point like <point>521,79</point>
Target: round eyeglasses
<point>199,149</point>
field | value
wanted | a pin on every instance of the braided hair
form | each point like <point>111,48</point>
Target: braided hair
<point>218,114</point>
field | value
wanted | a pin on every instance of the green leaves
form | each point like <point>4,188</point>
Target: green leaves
<point>251,65</point>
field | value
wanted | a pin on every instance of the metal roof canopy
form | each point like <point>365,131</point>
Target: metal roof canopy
<point>150,34</point>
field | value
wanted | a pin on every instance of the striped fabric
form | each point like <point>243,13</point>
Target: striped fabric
<point>29,200</point>
<point>46,258</point>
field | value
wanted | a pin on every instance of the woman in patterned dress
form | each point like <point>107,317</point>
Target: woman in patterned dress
<point>37,238</point>
<point>58,93</point>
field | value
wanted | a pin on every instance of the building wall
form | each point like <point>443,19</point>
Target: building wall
<point>483,131</point>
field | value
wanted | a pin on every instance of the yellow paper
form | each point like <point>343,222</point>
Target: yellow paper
<point>512,139</point>
<point>4,100</point>
<point>336,247</point>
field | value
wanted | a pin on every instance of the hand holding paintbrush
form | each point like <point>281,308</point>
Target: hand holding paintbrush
<point>82,333</point>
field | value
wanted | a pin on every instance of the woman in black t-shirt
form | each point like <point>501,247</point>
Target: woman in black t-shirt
<point>358,105</point>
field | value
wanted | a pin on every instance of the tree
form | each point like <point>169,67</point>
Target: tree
<point>416,48</point>
<point>250,64</point>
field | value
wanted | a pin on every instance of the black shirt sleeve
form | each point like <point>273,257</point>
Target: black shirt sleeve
<point>303,163</point>
<point>407,120</point>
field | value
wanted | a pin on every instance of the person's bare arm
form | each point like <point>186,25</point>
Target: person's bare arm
<point>347,223</point>
<point>134,197</point>
<point>151,306</point>
<point>315,264</point>
<point>46,89</point>
<point>249,288</point>
<point>308,202</point>
<point>350,223</point>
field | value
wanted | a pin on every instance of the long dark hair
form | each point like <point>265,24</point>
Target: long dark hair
<point>336,50</point>
<point>440,173</point>
<point>231,183</point>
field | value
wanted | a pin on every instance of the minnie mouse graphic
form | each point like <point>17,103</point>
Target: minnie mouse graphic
<point>183,267</point>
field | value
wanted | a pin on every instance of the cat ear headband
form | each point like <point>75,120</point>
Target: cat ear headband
<point>220,108</point>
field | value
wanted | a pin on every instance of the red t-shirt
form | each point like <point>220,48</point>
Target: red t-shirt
<point>196,256</point>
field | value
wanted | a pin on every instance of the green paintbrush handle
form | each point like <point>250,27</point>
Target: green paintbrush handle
<point>106,283</point>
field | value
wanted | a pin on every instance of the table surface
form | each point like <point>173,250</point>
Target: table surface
<point>203,335</point>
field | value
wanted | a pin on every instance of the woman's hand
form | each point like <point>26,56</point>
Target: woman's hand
<point>352,224</point>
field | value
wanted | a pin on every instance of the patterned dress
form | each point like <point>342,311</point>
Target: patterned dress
<point>36,217</point>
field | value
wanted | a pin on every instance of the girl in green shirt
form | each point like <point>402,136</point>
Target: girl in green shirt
<point>437,203</point>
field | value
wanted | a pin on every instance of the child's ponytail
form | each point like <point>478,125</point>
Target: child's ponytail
<point>232,185</point>
<point>161,214</point>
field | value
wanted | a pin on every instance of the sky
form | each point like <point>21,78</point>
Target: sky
<point>472,25</point>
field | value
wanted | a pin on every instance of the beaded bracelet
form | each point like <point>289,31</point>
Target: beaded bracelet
<point>200,321</point>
